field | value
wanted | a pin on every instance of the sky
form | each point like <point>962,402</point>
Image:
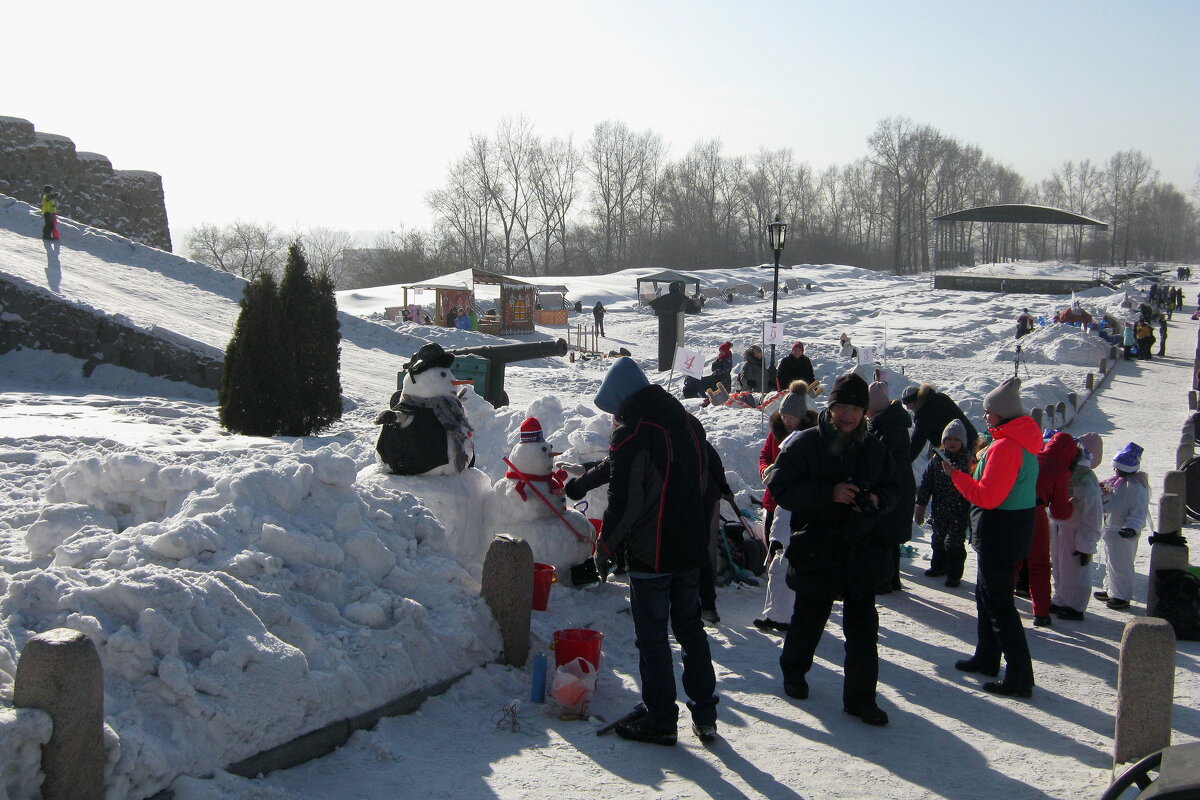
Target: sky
<point>347,116</point>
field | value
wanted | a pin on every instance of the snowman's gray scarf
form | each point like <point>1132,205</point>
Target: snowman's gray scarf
<point>449,412</point>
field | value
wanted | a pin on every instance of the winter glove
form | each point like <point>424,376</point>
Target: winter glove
<point>572,489</point>
<point>1084,558</point>
<point>1127,533</point>
<point>574,470</point>
<point>919,515</point>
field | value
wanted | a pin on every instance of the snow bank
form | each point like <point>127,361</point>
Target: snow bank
<point>233,612</point>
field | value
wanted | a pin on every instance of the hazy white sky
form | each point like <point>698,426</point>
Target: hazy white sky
<point>348,114</point>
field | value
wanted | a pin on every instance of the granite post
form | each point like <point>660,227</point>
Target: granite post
<point>507,587</point>
<point>1145,689</point>
<point>59,672</point>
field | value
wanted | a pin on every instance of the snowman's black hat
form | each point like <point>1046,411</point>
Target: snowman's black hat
<point>430,356</point>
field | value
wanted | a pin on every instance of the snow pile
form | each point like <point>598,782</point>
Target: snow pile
<point>1058,343</point>
<point>233,612</point>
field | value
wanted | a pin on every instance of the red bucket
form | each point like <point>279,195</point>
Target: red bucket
<point>574,643</point>
<point>543,576</point>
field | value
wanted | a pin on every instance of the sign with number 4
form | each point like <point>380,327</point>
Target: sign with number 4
<point>688,362</point>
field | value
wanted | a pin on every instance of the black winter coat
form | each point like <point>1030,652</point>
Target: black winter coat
<point>793,368</point>
<point>890,426</point>
<point>833,544</point>
<point>931,418</point>
<point>659,478</point>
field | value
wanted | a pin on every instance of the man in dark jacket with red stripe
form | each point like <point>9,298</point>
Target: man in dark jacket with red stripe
<point>659,475</point>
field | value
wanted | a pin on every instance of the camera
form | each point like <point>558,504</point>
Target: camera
<point>863,499</point>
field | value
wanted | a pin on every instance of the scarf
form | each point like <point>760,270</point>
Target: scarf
<point>554,481</point>
<point>449,412</point>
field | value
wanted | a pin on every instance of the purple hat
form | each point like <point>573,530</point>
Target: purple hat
<point>1129,459</point>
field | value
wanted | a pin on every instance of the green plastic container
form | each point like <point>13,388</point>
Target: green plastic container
<point>472,368</point>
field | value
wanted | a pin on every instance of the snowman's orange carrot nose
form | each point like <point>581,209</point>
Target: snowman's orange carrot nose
<point>461,383</point>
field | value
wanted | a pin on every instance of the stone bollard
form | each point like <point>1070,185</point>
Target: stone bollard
<point>1145,689</point>
<point>1163,555</point>
<point>1090,385</point>
<point>1103,366</point>
<point>507,586</point>
<point>1060,413</point>
<point>1050,418</point>
<point>1175,482</point>
<point>1192,396</point>
<point>1036,413</point>
<point>1073,401</point>
<point>1184,453</point>
<point>59,672</point>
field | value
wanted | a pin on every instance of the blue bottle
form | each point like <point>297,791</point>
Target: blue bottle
<point>538,693</point>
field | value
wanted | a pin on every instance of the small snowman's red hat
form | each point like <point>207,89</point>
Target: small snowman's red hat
<point>531,431</point>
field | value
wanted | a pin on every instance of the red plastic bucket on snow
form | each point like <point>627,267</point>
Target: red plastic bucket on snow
<point>573,643</point>
<point>543,576</point>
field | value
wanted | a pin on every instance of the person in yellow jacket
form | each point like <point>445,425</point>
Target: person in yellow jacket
<point>49,212</point>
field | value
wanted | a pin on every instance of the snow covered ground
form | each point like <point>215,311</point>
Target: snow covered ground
<point>244,591</point>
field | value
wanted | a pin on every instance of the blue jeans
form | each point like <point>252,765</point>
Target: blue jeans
<point>672,596</point>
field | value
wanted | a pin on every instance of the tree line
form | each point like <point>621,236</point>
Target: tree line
<point>521,204</point>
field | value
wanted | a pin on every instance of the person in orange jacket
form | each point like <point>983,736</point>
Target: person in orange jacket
<point>1003,491</point>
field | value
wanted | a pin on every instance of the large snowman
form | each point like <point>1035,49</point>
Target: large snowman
<point>424,448</point>
<point>528,502</point>
<point>425,431</point>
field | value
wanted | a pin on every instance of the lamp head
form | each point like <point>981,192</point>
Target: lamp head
<point>778,233</point>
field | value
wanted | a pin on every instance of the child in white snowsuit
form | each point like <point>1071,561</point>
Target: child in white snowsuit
<point>793,415</point>
<point>1126,506</point>
<point>1073,542</point>
<point>948,517</point>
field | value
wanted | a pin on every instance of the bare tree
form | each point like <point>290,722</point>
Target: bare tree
<point>243,248</point>
<point>554,185</point>
<point>1128,175</point>
<point>622,166</point>
<point>504,169</point>
<point>464,213</point>
<point>325,248</point>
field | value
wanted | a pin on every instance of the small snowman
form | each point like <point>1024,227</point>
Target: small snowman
<point>528,502</point>
<point>425,430</point>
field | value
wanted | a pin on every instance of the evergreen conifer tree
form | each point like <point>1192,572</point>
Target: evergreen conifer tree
<point>256,364</point>
<point>309,311</point>
<point>324,405</point>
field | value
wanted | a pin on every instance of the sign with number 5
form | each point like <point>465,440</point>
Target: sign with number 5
<point>773,333</point>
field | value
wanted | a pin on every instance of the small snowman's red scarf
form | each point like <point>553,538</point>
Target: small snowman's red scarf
<point>554,481</point>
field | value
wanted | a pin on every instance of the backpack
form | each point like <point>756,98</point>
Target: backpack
<point>1179,602</point>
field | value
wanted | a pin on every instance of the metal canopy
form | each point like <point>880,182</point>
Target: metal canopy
<point>1020,212</point>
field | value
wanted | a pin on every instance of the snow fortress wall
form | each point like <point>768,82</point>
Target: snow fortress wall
<point>128,202</point>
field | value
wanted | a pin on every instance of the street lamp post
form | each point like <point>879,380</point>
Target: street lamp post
<point>778,233</point>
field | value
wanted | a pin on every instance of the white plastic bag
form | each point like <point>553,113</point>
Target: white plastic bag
<point>573,687</point>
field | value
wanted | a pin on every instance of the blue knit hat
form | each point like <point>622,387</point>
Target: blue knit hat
<point>1129,459</point>
<point>624,378</point>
